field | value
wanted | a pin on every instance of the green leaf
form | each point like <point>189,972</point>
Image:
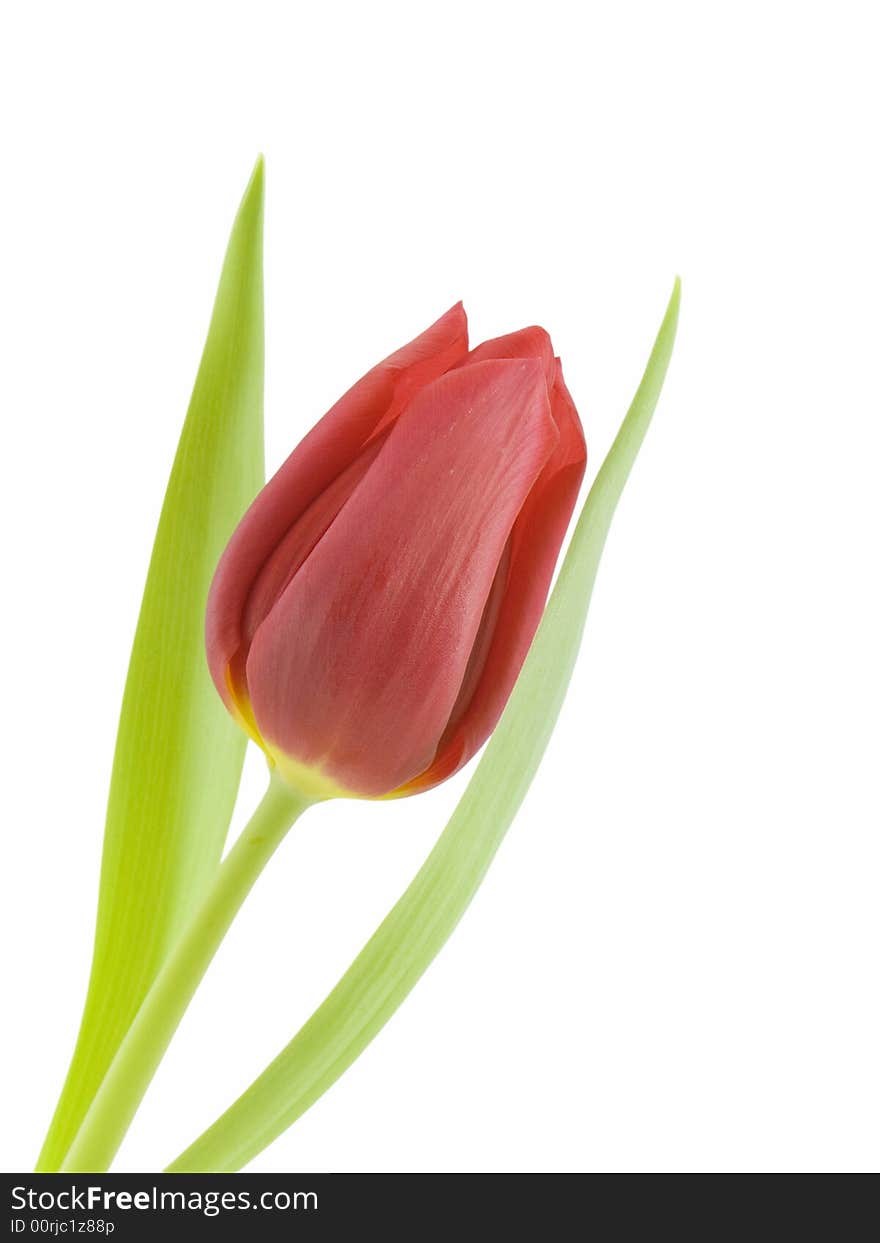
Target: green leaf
<point>178,756</point>
<point>418,926</point>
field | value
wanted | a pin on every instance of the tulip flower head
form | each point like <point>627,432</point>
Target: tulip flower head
<point>369,617</point>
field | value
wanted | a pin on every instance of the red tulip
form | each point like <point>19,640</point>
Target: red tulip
<point>370,614</point>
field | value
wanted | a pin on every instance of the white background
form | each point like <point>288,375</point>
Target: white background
<point>673,962</point>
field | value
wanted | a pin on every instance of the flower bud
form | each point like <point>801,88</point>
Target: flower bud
<point>372,610</point>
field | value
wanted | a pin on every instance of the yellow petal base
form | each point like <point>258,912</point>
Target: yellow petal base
<point>310,782</point>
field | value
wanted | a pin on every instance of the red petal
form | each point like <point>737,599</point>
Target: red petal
<point>531,342</point>
<point>534,547</point>
<point>329,448</point>
<point>358,666</point>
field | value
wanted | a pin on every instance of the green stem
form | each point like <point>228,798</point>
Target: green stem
<point>132,1069</point>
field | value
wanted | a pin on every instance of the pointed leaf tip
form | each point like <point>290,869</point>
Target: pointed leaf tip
<point>258,177</point>
<point>675,298</point>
